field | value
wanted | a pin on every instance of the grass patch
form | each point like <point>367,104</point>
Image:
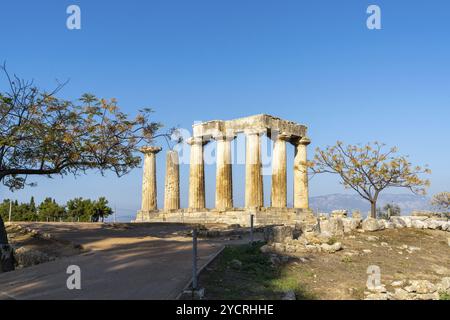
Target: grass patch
<point>444,296</point>
<point>256,277</point>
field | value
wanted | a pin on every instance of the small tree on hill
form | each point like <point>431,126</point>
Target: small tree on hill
<point>442,202</point>
<point>370,169</point>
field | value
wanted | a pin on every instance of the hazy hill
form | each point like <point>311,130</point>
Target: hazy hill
<point>407,202</point>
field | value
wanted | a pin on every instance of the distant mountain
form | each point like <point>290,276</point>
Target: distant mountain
<point>330,202</point>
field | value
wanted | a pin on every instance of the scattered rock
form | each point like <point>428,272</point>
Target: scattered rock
<point>26,257</point>
<point>351,224</point>
<point>265,249</point>
<point>367,251</point>
<point>444,285</point>
<point>236,264</point>
<point>331,248</point>
<point>421,286</point>
<point>370,224</point>
<point>398,222</point>
<point>339,213</point>
<point>378,296</point>
<point>402,294</point>
<point>333,226</point>
<point>372,238</point>
<point>289,295</point>
<point>398,283</point>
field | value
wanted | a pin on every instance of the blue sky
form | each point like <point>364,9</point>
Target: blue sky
<point>313,62</point>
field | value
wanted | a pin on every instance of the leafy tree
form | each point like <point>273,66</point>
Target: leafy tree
<point>50,210</point>
<point>41,134</point>
<point>370,169</point>
<point>442,202</point>
<point>389,210</point>
<point>101,210</point>
<point>80,208</point>
<point>32,205</point>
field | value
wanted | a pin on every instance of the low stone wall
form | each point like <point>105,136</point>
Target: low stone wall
<point>237,216</point>
<point>341,225</point>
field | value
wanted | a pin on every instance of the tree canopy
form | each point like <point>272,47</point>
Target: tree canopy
<point>369,169</point>
<point>78,209</point>
<point>41,134</point>
<point>442,201</point>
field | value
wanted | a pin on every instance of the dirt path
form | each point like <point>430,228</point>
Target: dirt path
<point>124,261</point>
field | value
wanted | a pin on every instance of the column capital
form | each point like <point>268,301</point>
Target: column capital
<point>150,149</point>
<point>197,141</point>
<point>281,136</point>
<point>302,141</point>
<point>224,137</point>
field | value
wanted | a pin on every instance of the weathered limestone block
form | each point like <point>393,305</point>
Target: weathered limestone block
<point>435,224</point>
<point>386,224</point>
<point>419,224</point>
<point>398,222</point>
<point>356,214</point>
<point>278,234</point>
<point>339,213</point>
<point>331,248</point>
<point>351,224</point>
<point>407,221</point>
<point>333,226</point>
<point>371,224</point>
<point>421,286</point>
<point>444,285</point>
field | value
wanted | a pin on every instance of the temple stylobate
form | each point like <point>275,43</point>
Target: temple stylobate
<point>224,132</point>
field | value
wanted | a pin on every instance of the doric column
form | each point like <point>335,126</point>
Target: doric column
<point>196,174</point>
<point>172,186</point>
<point>224,180</point>
<point>301,197</point>
<point>253,177</point>
<point>149,192</point>
<point>279,193</point>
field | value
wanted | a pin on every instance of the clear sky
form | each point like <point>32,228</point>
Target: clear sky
<point>313,62</point>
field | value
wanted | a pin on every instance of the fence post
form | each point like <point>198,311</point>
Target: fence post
<point>194,259</point>
<point>251,227</point>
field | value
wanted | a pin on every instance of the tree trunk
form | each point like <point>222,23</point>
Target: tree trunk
<point>373,209</point>
<point>6,251</point>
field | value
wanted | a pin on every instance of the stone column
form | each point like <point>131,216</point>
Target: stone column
<point>149,191</point>
<point>172,186</point>
<point>301,197</point>
<point>224,180</point>
<point>253,178</point>
<point>279,176</point>
<point>196,174</point>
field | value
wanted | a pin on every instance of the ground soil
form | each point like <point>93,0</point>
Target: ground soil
<point>54,248</point>
<point>401,254</point>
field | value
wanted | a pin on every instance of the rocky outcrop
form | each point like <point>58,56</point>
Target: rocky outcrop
<point>27,257</point>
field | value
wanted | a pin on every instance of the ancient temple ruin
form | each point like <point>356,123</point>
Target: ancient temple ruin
<point>224,132</point>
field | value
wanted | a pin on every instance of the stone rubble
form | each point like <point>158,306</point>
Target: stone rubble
<point>411,290</point>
